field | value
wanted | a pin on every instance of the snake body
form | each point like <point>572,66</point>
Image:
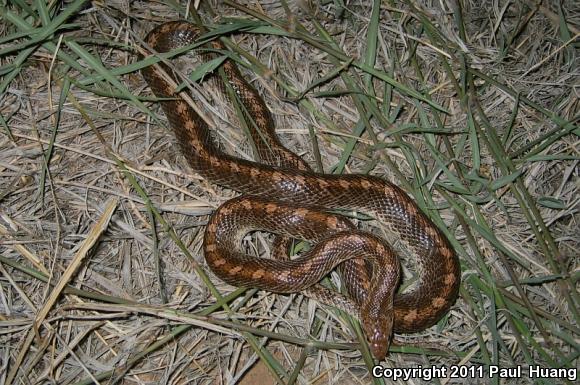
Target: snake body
<point>271,191</point>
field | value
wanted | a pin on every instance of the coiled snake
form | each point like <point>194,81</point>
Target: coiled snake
<point>370,270</point>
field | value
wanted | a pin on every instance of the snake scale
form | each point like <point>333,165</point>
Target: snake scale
<point>271,192</point>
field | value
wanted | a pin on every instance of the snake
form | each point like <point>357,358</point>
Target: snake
<point>282,195</point>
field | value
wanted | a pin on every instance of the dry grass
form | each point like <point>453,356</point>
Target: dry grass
<point>471,109</point>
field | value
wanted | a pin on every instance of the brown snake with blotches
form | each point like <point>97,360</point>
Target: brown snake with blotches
<point>283,196</point>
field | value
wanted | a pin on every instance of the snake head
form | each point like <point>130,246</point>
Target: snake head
<point>378,328</point>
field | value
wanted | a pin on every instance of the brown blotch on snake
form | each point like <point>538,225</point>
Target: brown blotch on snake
<point>274,188</point>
